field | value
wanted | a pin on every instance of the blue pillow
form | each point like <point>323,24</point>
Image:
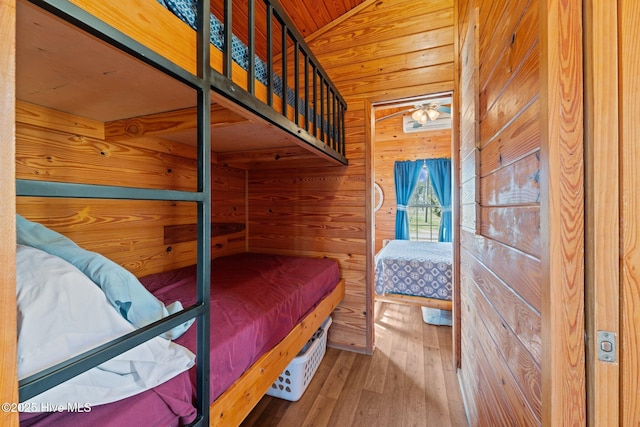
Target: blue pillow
<point>123,290</point>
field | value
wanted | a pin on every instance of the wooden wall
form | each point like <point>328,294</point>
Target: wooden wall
<point>143,236</point>
<point>382,50</point>
<point>392,145</point>
<point>501,295</point>
<point>521,221</point>
<point>8,317</point>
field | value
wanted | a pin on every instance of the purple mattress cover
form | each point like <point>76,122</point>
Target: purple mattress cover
<point>169,404</point>
<point>256,299</point>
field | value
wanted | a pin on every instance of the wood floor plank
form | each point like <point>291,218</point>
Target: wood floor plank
<point>332,387</point>
<point>454,398</point>
<point>380,358</point>
<point>345,411</point>
<point>416,411</point>
<point>410,380</point>
<point>395,385</point>
<point>436,390</point>
<point>320,412</point>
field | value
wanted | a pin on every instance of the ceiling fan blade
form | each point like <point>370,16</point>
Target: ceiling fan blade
<point>397,113</point>
<point>443,109</point>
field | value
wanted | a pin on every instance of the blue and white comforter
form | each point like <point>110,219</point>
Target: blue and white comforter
<point>415,268</point>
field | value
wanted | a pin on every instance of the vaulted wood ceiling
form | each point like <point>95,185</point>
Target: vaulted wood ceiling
<point>308,17</point>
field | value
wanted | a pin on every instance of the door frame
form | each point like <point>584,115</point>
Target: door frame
<point>602,208</point>
<point>370,107</point>
<point>629,135</point>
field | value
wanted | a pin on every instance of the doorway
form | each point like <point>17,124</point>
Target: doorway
<point>397,133</point>
<point>404,343</point>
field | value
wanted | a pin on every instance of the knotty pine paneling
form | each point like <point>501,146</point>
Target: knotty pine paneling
<point>520,91</point>
<point>307,16</point>
<point>65,157</point>
<point>484,412</point>
<point>383,22</point>
<point>524,131</point>
<point>131,233</point>
<point>501,390</point>
<point>521,271</point>
<point>515,184</point>
<point>8,317</point>
<point>501,275</point>
<point>514,325</point>
<point>515,226</point>
<point>520,43</point>
<point>391,145</point>
<point>383,51</point>
<point>504,18</point>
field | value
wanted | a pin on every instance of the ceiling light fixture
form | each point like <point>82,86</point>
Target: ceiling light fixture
<point>432,113</point>
<point>423,113</point>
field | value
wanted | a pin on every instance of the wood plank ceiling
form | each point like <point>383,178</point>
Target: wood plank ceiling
<point>308,16</point>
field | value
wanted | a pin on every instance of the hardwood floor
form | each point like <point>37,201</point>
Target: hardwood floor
<point>409,381</point>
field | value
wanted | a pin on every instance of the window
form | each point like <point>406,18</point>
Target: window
<point>424,211</point>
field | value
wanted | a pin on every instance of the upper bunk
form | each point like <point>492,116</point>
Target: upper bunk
<point>268,103</point>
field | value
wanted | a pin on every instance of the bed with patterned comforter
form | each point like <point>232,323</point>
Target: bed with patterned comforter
<point>414,268</point>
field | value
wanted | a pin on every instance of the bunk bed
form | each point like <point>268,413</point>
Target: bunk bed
<point>256,299</point>
<point>418,273</point>
<point>96,73</point>
<point>247,114</point>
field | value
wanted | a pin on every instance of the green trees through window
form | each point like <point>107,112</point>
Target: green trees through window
<point>424,211</point>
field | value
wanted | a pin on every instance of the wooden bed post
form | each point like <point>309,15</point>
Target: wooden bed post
<point>8,359</point>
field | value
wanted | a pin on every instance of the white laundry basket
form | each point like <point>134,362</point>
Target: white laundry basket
<point>296,377</point>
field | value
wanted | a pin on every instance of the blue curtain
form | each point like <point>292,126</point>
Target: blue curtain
<point>440,174</point>
<point>405,175</point>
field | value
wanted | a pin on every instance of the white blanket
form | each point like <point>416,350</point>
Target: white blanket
<point>62,313</point>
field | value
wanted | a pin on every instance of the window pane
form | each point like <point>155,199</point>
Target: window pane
<point>424,211</point>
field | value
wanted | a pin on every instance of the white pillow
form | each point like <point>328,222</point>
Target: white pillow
<point>122,289</point>
<point>62,313</point>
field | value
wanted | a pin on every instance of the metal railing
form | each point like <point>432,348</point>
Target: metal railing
<point>306,92</point>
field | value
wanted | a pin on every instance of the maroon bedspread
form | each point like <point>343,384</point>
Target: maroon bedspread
<point>256,300</point>
<point>169,404</point>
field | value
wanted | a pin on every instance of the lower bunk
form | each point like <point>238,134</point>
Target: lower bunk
<point>417,273</point>
<point>264,308</point>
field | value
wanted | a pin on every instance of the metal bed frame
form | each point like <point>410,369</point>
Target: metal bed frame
<point>206,80</point>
